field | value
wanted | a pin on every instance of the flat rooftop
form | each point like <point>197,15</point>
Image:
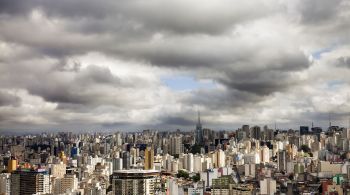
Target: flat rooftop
<point>133,171</point>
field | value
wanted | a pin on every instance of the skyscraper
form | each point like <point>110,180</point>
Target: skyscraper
<point>282,160</point>
<point>12,165</point>
<point>246,129</point>
<point>256,132</point>
<point>126,160</point>
<point>199,131</point>
<point>149,158</point>
<point>117,164</point>
<point>176,145</point>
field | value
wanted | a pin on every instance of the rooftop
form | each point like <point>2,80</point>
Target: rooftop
<point>137,171</point>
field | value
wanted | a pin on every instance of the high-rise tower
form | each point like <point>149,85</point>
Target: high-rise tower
<point>199,131</point>
<point>149,158</point>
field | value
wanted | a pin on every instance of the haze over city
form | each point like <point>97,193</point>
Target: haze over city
<point>132,65</point>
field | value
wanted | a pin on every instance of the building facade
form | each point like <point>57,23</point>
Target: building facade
<point>134,181</point>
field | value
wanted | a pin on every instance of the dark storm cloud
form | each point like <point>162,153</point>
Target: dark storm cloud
<point>254,68</point>
<point>259,83</point>
<point>7,99</point>
<point>178,16</point>
<point>117,125</point>
<point>224,100</point>
<point>83,88</point>
<point>324,117</point>
<point>319,11</point>
<point>229,55</point>
<point>15,7</point>
<point>177,121</point>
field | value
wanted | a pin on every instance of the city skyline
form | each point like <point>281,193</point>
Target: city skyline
<point>87,65</point>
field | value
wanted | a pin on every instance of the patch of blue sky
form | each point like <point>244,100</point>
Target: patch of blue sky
<point>183,83</point>
<point>317,54</point>
<point>335,84</point>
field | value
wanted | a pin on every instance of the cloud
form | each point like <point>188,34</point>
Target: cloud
<point>87,64</point>
<point>7,99</point>
<point>316,12</point>
<point>344,62</point>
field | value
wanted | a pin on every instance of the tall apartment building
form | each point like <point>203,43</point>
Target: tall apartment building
<point>221,186</point>
<point>66,184</point>
<point>218,158</point>
<point>176,146</point>
<point>117,164</point>
<point>246,129</point>
<point>28,182</point>
<point>5,183</point>
<point>255,132</point>
<point>149,158</point>
<point>12,165</point>
<point>268,186</point>
<point>282,160</point>
<point>265,154</point>
<point>58,170</point>
<point>134,182</point>
<point>126,160</point>
<point>199,132</point>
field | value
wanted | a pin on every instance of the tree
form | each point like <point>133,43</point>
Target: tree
<point>305,148</point>
<point>196,149</point>
<point>196,178</point>
<point>182,173</point>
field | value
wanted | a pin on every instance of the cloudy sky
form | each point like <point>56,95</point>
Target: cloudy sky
<point>135,64</point>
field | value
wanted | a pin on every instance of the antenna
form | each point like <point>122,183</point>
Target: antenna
<point>329,118</point>
<point>199,117</point>
<point>347,99</point>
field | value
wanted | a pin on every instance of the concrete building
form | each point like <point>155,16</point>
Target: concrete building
<point>176,146</point>
<point>5,183</point>
<point>58,170</point>
<point>28,182</point>
<point>189,161</point>
<point>117,164</point>
<point>331,168</point>
<point>134,182</point>
<point>253,157</point>
<point>265,154</point>
<point>12,165</point>
<point>67,184</point>
<point>256,132</point>
<point>174,166</point>
<point>268,186</point>
<point>173,187</point>
<point>282,160</point>
<point>197,163</point>
<point>126,160</point>
<point>149,159</point>
<point>249,170</point>
<point>199,132</point>
<point>133,156</point>
<point>220,158</point>
<point>246,129</point>
<point>221,186</point>
<point>236,189</point>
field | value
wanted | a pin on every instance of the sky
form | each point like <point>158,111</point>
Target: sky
<point>87,65</point>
